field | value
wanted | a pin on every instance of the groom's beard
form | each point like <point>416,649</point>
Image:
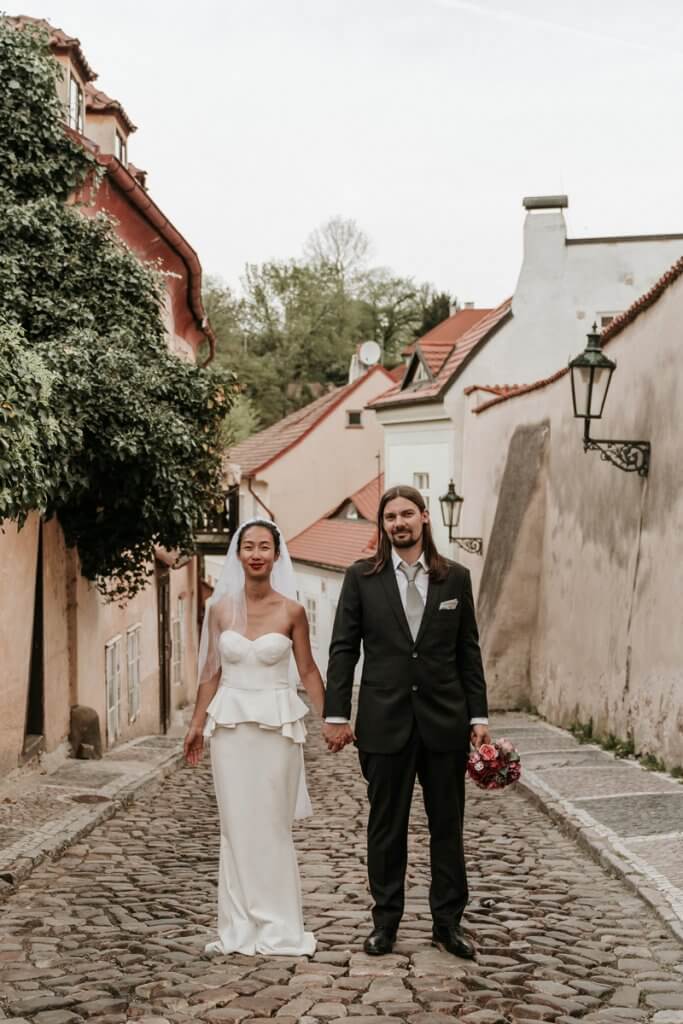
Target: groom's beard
<point>406,540</point>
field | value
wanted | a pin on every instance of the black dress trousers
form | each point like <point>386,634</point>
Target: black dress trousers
<point>391,780</point>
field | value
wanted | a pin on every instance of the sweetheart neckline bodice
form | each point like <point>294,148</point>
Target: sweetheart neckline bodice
<point>256,638</point>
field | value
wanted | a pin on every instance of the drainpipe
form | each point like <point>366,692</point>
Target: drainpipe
<point>255,495</point>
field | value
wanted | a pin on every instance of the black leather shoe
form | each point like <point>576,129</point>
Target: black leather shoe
<point>453,940</point>
<point>379,942</point>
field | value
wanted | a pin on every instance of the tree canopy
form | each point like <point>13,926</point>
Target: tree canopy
<point>100,424</point>
<point>295,323</point>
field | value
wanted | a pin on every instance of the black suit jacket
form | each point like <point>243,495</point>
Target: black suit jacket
<point>435,682</point>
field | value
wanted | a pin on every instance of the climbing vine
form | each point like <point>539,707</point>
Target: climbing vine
<point>100,424</point>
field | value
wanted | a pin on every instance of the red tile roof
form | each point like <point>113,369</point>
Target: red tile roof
<point>99,103</point>
<point>465,347</point>
<point>259,450</point>
<point>611,331</point>
<point>59,41</point>
<point>397,373</point>
<point>437,344</point>
<point>336,543</point>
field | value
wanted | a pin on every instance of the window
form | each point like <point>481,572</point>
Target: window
<point>605,319</point>
<point>420,375</point>
<point>354,418</point>
<point>421,483</point>
<point>133,639</point>
<point>121,150</point>
<point>178,643</point>
<point>312,613</point>
<point>76,105</point>
<point>112,675</point>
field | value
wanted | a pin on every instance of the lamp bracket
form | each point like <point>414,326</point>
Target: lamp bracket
<point>474,545</point>
<point>631,456</point>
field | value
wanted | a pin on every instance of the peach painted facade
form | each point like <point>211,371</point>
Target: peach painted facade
<point>330,461</point>
<point>61,644</point>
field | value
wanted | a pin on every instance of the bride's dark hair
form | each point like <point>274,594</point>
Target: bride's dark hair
<point>272,530</point>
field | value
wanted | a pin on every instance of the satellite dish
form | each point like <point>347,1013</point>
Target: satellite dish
<point>369,353</point>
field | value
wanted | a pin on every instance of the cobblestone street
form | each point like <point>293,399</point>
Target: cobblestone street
<point>115,928</point>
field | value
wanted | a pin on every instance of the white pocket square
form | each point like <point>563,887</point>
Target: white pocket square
<point>449,606</point>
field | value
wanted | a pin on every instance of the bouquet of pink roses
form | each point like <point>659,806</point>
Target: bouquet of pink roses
<point>494,765</point>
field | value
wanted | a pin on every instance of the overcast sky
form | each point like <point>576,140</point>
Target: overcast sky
<point>426,121</point>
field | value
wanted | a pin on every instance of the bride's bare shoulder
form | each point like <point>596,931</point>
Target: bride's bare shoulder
<point>295,610</point>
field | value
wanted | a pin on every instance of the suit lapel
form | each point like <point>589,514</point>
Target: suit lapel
<point>388,578</point>
<point>431,604</point>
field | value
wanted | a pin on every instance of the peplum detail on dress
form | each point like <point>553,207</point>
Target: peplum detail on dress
<point>255,687</point>
<point>281,709</point>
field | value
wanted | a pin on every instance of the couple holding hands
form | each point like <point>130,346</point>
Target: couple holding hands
<point>421,703</point>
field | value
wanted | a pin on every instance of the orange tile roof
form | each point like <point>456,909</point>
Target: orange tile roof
<point>59,41</point>
<point>259,450</point>
<point>611,331</point>
<point>98,102</point>
<point>465,347</point>
<point>336,543</point>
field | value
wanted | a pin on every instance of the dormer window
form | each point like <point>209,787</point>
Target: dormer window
<point>121,149</point>
<point>76,105</point>
<point>420,374</point>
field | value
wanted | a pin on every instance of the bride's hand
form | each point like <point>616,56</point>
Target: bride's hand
<point>193,747</point>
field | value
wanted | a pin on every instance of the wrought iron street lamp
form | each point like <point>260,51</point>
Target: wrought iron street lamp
<point>451,507</point>
<point>591,374</point>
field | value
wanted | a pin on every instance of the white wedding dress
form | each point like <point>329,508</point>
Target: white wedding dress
<point>255,722</point>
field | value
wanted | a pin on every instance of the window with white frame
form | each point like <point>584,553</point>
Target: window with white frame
<point>112,676</point>
<point>421,484</point>
<point>312,613</point>
<point>76,106</point>
<point>121,151</point>
<point>133,645</point>
<point>178,642</point>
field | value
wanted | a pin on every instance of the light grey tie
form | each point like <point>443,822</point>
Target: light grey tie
<point>414,603</point>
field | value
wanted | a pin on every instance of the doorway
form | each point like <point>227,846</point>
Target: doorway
<point>164,612</point>
<point>34,740</point>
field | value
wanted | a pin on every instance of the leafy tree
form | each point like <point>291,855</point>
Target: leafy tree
<point>437,307</point>
<point>99,423</point>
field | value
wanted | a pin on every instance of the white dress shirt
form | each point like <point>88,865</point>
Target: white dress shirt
<point>422,584</point>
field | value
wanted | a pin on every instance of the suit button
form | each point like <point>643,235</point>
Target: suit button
<point>415,654</point>
<point>414,689</point>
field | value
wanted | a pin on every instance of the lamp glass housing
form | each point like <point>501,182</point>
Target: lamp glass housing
<point>451,507</point>
<point>591,373</point>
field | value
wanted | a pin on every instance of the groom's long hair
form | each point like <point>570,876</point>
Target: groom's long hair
<point>438,566</point>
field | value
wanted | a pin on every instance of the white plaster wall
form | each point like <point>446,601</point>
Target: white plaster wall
<point>562,288</point>
<point>607,644</point>
<point>323,586</point>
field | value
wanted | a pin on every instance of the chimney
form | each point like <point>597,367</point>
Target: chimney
<point>469,305</point>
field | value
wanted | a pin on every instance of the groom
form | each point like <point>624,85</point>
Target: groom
<point>422,701</point>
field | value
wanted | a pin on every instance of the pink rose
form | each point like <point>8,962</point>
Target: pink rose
<point>488,752</point>
<point>505,746</point>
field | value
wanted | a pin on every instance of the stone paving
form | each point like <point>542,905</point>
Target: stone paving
<point>629,818</point>
<point>43,812</point>
<point>115,928</point>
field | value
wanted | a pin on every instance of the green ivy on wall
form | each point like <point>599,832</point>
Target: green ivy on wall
<point>100,424</point>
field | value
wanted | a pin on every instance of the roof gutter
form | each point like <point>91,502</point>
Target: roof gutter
<point>148,208</point>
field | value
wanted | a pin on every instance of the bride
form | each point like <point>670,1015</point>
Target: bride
<point>248,705</point>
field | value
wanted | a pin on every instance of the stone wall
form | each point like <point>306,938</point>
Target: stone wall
<point>580,589</point>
